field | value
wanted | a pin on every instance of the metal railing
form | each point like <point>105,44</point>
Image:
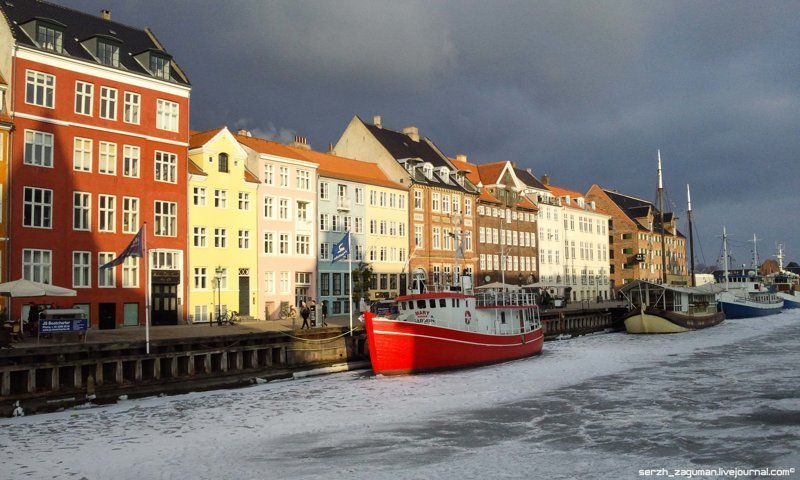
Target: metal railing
<point>505,299</point>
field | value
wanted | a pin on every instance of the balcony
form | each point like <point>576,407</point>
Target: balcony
<point>343,203</point>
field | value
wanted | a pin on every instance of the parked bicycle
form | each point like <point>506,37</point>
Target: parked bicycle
<point>232,318</point>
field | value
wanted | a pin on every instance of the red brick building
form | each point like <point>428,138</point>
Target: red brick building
<point>99,148</point>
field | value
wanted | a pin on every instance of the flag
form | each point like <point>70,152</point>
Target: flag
<point>134,249</point>
<point>341,249</point>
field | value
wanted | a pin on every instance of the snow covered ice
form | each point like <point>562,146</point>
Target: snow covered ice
<point>602,406</point>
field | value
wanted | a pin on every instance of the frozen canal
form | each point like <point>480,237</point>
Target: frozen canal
<point>603,406</point>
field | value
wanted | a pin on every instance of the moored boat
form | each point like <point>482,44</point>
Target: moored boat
<point>453,328</point>
<point>660,308</point>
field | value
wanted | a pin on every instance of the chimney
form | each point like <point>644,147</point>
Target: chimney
<point>105,14</point>
<point>545,179</point>
<point>412,132</point>
<point>244,133</point>
<point>330,149</point>
<point>377,121</point>
<point>300,142</point>
<point>461,157</point>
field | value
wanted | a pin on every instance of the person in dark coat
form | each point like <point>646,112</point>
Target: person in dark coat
<point>324,313</point>
<point>304,312</point>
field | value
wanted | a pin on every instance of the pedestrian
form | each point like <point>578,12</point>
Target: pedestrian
<point>324,313</point>
<point>304,312</point>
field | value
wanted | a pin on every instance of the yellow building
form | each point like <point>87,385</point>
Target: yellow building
<point>223,259</point>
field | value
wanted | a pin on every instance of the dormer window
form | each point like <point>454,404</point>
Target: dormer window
<point>159,66</point>
<point>107,53</point>
<point>444,172</point>
<point>427,169</point>
<point>49,37</point>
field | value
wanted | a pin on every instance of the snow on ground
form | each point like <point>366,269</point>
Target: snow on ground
<point>595,406</point>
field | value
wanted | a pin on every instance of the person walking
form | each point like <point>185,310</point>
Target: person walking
<point>304,312</point>
<point>324,313</point>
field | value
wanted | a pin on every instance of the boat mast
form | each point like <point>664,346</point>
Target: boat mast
<point>691,237</point>
<point>755,254</point>
<point>780,257</point>
<point>661,213</point>
<point>725,255</point>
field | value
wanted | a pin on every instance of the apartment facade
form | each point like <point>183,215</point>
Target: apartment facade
<point>98,150</point>
<point>286,231</point>
<point>223,247</point>
<point>442,200</point>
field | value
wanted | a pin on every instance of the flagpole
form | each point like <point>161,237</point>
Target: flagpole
<point>146,291</point>
<point>350,277</point>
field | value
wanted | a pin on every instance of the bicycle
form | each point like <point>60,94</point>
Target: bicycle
<point>232,318</point>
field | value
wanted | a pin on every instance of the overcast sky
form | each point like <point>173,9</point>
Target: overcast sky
<point>583,91</point>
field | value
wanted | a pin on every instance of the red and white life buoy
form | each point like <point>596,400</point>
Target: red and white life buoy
<point>467,317</point>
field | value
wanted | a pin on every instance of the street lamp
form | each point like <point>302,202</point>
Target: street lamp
<point>218,273</point>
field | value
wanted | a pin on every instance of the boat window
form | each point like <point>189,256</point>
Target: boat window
<point>442,302</point>
<point>420,303</point>
<point>503,317</point>
<point>466,303</point>
<point>453,303</point>
<point>432,303</point>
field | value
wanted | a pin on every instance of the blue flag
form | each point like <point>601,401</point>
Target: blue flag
<point>134,249</point>
<point>341,249</point>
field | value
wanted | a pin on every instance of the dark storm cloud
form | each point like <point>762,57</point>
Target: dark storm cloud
<point>583,91</point>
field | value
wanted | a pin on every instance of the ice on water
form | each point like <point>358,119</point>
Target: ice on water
<point>597,406</point>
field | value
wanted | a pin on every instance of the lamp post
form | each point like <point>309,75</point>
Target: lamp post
<point>218,272</point>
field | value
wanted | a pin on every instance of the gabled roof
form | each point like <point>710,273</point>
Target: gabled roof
<point>636,208</point>
<point>198,139</point>
<point>250,177</point>
<point>194,169</point>
<point>349,169</point>
<point>401,147</point>
<point>526,202</point>
<point>573,195</point>
<point>529,179</point>
<point>268,147</point>
<point>488,197</point>
<point>490,172</point>
<point>78,27</point>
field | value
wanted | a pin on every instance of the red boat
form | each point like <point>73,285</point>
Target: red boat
<point>453,329</point>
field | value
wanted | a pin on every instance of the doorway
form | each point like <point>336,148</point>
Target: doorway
<point>107,316</point>
<point>244,292</point>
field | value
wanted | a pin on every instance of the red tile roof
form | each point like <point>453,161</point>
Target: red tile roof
<point>195,169</point>
<point>573,195</point>
<point>198,139</point>
<point>527,203</point>
<point>349,169</point>
<point>250,176</point>
<point>490,172</point>
<point>485,196</point>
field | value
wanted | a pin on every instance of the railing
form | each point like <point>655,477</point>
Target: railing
<point>504,299</point>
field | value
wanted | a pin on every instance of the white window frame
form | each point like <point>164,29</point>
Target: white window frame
<point>38,148</point>
<point>37,265</point>
<point>108,103</point>
<point>82,211</point>
<point>107,277</point>
<point>84,94</point>
<point>131,161</point>
<point>107,158</point>
<point>132,108</point>
<point>81,155</point>
<point>167,115</point>
<point>40,88</point>
<point>130,214</point>
<point>165,216</point>
<point>166,167</point>
<point>106,213</point>
<point>41,208</point>
<point>81,269</point>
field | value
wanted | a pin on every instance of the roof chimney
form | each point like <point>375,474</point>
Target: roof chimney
<point>377,121</point>
<point>461,157</point>
<point>244,133</point>
<point>545,179</point>
<point>412,132</point>
<point>105,14</point>
<point>300,142</point>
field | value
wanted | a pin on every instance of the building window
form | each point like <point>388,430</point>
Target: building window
<point>166,167</point>
<point>418,236</point>
<point>285,282</point>
<point>359,196</point>
<point>417,200</point>
<point>222,162</point>
<point>244,239</point>
<point>81,211</point>
<point>269,207</point>
<point>49,38</point>
<point>39,88</point>
<point>167,114</point>
<point>435,201</point>
<point>269,174</point>
<point>284,177</point>
<point>303,244</point>
<point>108,53</point>
<point>244,201</point>
<point>283,244</point>
<point>130,272</point>
<point>108,103</point>
<point>324,192</point>
<point>159,66</point>
<point>37,207</point>
<point>302,211</point>
<point>269,243</point>
<point>325,284</point>
<point>83,98</point>
<point>107,159</point>
<point>38,148</point>
<point>303,180</point>
<point>82,155</point>
<point>131,108</point>
<point>200,278</point>
<point>37,265</point>
<point>324,251</point>
<point>199,237</point>
<point>269,282</point>
<point>220,199</point>
<point>166,217</point>
<point>199,196</point>
<point>81,265</point>
<point>283,209</point>
<point>324,222</point>
<point>220,237</point>
<point>106,209</point>
<point>130,214</point>
<point>130,161</point>
<point>106,278</point>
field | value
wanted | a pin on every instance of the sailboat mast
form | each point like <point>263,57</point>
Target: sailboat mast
<point>661,213</point>
<point>691,235</point>
<point>725,255</point>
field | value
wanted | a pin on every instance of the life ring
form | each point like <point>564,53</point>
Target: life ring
<point>467,317</point>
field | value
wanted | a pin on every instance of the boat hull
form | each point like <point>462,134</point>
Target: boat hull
<point>747,309</point>
<point>789,300</point>
<point>653,320</point>
<point>401,347</point>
